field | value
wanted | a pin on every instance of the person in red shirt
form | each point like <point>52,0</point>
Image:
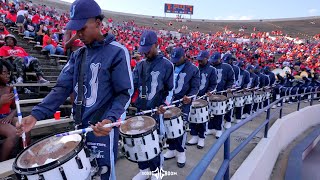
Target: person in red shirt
<point>7,112</point>
<point>3,33</point>
<point>20,59</point>
<point>49,44</point>
<point>11,17</point>
<point>36,18</point>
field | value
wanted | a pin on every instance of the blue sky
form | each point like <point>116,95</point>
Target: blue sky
<point>220,9</point>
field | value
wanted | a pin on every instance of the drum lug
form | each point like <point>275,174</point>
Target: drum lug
<point>143,141</point>
<point>152,136</point>
<point>87,152</point>
<point>78,160</point>
<point>41,177</point>
<point>94,163</point>
<point>64,177</point>
<point>147,155</point>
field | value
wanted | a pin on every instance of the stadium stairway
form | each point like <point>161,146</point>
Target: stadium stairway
<point>51,72</point>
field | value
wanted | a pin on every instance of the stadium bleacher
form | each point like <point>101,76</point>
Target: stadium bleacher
<point>51,64</point>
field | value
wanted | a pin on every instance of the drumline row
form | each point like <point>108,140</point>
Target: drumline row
<point>71,160</point>
<point>141,141</point>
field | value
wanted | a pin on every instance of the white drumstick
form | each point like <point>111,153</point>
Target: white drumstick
<point>152,110</point>
<point>16,97</point>
<point>180,100</point>
<point>206,94</point>
<point>89,129</point>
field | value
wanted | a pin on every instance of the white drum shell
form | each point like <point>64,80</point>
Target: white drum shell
<point>239,101</point>
<point>258,98</point>
<point>199,115</point>
<point>248,99</point>
<point>230,103</point>
<point>218,108</point>
<point>141,149</point>
<point>174,127</point>
<point>70,169</point>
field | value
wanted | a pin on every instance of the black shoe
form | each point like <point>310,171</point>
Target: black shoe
<point>199,147</point>
<point>181,165</point>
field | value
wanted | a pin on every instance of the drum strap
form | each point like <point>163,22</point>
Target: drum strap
<point>79,102</point>
<point>144,86</point>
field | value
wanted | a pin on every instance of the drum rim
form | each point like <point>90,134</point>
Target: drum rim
<point>139,135</point>
<point>49,166</point>
<point>201,106</point>
<point>174,117</point>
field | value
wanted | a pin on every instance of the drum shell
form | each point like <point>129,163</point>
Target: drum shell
<point>199,115</point>
<point>230,102</point>
<point>217,108</point>
<point>258,97</point>
<point>239,100</point>
<point>248,98</point>
<point>68,165</point>
<point>174,127</point>
<point>141,148</point>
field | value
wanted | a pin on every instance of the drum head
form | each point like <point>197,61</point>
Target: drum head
<point>259,92</point>
<point>199,103</point>
<point>217,98</point>
<point>137,125</point>
<point>172,113</point>
<point>238,94</point>
<point>48,150</point>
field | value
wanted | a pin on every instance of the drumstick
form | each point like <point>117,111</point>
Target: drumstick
<point>89,129</point>
<point>16,98</point>
<point>206,94</point>
<point>152,110</point>
<point>182,99</point>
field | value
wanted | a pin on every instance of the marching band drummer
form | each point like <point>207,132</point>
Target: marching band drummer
<point>262,80</point>
<point>153,80</point>
<point>103,67</point>
<point>243,81</point>
<point>225,80</point>
<point>271,81</point>
<point>229,59</point>
<point>187,83</point>
<point>208,83</point>
<point>253,83</point>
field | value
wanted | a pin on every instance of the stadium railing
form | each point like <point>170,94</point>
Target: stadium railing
<point>223,172</point>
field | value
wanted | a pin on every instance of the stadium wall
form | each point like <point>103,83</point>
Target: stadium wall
<point>260,162</point>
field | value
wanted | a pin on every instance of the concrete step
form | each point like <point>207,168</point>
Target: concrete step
<point>51,78</point>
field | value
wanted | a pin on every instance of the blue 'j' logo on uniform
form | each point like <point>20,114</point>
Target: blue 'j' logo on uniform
<point>174,54</point>
<point>72,11</point>
<point>143,41</point>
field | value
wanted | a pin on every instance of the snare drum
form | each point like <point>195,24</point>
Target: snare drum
<point>248,98</point>
<point>140,139</point>
<point>218,104</point>
<point>239,99</point>
<point>173,123</point>
<point>268,94</point>
<point>258,96</point>
<point>199,112</point>
<point>230,101</point>
<point>55,158</point>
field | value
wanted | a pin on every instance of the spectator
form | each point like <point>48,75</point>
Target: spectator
<point>11,17</point>
<point>21,17</point>
<point>7,112</point>
<point>49,44</point>
<point>29,29</point>
<point>20,59</point>
<point>3,33</point>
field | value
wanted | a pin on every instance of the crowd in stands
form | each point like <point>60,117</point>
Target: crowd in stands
<point>46,25</point>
